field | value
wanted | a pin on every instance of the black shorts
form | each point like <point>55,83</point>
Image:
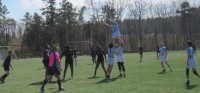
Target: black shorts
<point>141,53</point>
<point>53,71</point>
<point>6,68</point>
<point>100,60</point>
<point>69,61</point>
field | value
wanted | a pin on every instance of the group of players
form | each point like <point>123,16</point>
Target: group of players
<point>53,58</point>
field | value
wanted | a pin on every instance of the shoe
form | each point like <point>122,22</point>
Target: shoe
<point>124,75</point>
<point>108,76</point>
<point>120,75</point>
<point>61,89</point>
<point>42,90</point>
<point>63,79</point>
<point>164,70</point>
<point>172,70</point>
<point>187,82</point>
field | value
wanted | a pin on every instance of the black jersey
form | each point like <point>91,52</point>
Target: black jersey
<point>157,49</point>
<point>100,53</point>
<point>46,54</point>
<point>7,61</point>
<point>140,49</point>
<point>68,53</point>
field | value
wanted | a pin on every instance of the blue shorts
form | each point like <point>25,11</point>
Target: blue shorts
<point>115,35</point>
<point>110,60</point>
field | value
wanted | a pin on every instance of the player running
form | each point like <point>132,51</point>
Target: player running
<point>163,57</point>
<point>6,65</point>
<point>190,62</point>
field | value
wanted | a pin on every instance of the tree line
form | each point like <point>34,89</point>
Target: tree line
<point>141,23</point>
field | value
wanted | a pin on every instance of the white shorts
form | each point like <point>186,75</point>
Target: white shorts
<point>163,59</point>
<point>120,58</point>
<point>110,60</point>
<point>191,64</point>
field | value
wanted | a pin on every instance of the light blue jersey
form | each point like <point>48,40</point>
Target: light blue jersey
<point>116,32</point>
<point>190,52</point>
<point>163,52</point>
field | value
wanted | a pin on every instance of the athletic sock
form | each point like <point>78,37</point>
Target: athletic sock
<point>44,83</point>
<point>4,76</point>
<point>59,84</point>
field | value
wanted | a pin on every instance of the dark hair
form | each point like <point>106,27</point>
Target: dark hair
<point>111,45</point>
<point>67,46</point>
<point>189,43</point>
<point>9,52</point>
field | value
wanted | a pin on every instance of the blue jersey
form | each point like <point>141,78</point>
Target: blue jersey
<point>111,52</point>
<point>163,51</point>
<point>119,50</point>
<point>116,31</point>
<point>190,52</point>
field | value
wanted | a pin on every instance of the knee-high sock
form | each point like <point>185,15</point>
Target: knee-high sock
<point>44,83</point>
<point>4,76</point>
<point>59,83</point>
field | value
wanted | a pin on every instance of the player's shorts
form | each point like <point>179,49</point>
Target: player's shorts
<point>69,61</point>
<point>100,60</point>
<point>163,59</point>
<point>110,60</point>
<point>120,58</point>
<point>191,64</point>
<point>6,68</point>
<point>52,71</point>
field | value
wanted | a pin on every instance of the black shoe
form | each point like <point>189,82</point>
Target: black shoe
<point>172,70</point>
<point>108,76</point>
<point>42,90</point>
<point>61,89</point>
<point>187,82</point>
<point>120,75</point>
<point>164,70</point>
<point>124,75</point>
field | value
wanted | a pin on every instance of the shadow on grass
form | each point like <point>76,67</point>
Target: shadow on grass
<point>107,80</point>
<point>41,68</point>
<point>67,80</point>
<point>37,83</point>
<point>93,77</point>
<point>190,87</point>
<point>161,72</point>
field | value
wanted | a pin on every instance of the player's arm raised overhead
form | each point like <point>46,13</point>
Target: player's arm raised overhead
<point>106,23</point>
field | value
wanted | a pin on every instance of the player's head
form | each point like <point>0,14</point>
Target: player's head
<point>10,52</point>
<point>111,45</point>
<point>46,46</point>
<point>189,43</point>
<point>56,47</point>
<point>162,44</point>
<point>68,46</point>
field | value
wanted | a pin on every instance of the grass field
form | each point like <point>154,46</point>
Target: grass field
<point>142,77</point>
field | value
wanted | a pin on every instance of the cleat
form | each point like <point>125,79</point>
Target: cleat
<point>124,75</point>
<point>164,70</point>
<point>120,75</point>
<point>187,82</point>
<point>42,90</point>
<point>172,70</point>
<point>108,76</point>
<point>61,89</point>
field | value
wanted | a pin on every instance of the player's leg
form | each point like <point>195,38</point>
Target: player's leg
<point>60,88</point>
<point>48,77</point>
<point>109,69</point>
<point>97,65</point>
<point>163,67</point>
<point>102,65</point>
<point>72,69</point>
<point>187,76</point>
<point>169,66</point>
<point>119,67</point>
<point>4,76</point>
<point>123,68</point>
<point>65,70</point>
<point>195,72</point>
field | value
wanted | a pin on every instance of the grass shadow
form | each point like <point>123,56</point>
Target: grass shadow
<point>93,77</point>
<point>37,83</point>
<point>161,72</point>
<point>190,87</point>
<point>67,80</point>
<point>107,80</point>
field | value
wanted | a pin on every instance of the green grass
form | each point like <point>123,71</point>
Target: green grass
<point>142,77</point>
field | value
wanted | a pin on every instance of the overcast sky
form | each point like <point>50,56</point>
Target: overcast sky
<point>18,8</point>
